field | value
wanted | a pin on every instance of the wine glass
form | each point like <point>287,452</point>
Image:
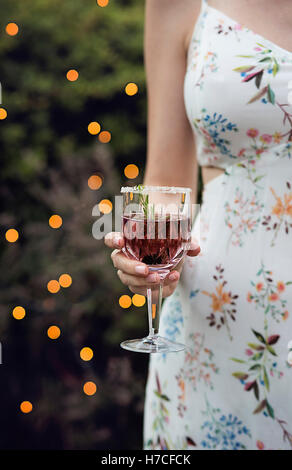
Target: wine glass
<point>156,225</point>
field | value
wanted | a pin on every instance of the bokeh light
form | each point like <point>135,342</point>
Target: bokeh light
<point>72,75</point>
<point>94,182</point>
<point>18,312</point>
<point>94,128</point>
<point>131,171</point>
<point>86,354</point>
<point>138,300</point>
<point>125,301</point>
<point>12,235</point>
<point>53,286</point>
<point>102,3</point>
<point>26,407</point>
<point>3,114</point>
<point>53,332</point>
<point>105,206</point>
<point>55,221</point>
<point>89,388</point>
<point>12,29</point>
<point>131,89</point>
<point>65,280</point>
<point>104,137</point>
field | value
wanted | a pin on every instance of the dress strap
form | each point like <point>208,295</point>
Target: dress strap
<point>204,5</point>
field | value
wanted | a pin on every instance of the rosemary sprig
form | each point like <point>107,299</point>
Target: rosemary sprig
<point>143,199</point>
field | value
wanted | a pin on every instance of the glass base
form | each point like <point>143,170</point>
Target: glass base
<point>154,344</point>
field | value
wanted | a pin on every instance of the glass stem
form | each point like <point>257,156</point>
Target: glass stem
<point>154,303</point>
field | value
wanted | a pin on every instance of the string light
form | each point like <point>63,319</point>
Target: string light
<point>94,128</point>
<point>131,89</point>
<point>26,407</point>
<point>55,221</point>
<point>138,300</point>
<point>131,171</point>
<point>125,301</point>
<point>89,388</point>
<point>53,286</point>
<point>12,235</point>
<point>94,182</point>
<point>104,137</point>
<point>72,75</point>
<point>65,280</point>
<point>3,114</point>
<point>102,3</point>
<point>53,332</point>
<point>12,29</point>
<point>86,354</point>
<point>18,312</point>
<point>105,206</point>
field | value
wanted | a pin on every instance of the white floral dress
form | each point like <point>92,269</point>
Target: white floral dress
<point>232,386</point>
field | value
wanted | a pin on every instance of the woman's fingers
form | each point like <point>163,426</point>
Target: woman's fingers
<point>135,281</point>
<point>120,260</point>
<point>114,240</point>
<point>194,248</point>
<point>127,265</point>
<point>148,281</point>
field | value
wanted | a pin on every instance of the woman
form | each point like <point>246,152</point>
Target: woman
<point>219,90</point>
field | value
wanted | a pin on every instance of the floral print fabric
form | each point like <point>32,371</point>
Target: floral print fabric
<point>232,386</point>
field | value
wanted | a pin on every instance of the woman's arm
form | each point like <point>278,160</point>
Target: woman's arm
<point>171,156</point>
<point>171,159</point>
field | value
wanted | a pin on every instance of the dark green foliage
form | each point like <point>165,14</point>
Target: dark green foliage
<point>47,156</point>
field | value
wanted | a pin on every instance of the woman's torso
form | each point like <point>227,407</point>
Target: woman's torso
<point>213,49</point>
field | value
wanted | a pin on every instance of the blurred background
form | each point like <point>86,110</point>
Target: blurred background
<point>72,131</point>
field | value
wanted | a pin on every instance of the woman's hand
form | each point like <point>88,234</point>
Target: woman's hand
<point>135,274</point>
